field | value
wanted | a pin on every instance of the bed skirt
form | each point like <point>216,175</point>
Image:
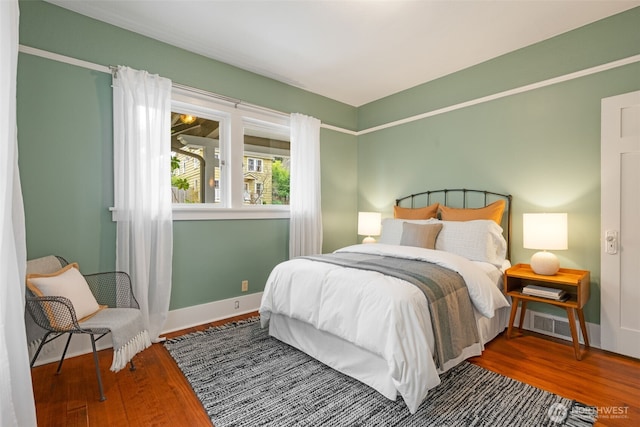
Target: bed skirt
<point>363,365</point>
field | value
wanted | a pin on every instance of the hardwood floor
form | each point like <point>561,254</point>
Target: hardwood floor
<point>606,380</point>
<point>157,394</point>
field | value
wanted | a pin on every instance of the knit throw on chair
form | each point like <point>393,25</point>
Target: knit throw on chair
<point>128,334</point>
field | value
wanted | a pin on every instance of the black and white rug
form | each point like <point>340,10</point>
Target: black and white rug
<point>243,377</point>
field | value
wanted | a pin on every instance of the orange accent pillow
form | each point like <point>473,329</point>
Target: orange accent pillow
<point>416,213</point>
<point>492,211</point>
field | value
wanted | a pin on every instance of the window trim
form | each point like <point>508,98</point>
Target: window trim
<point>194,212</point>
<point>233,118</point>
<point>190,212</point>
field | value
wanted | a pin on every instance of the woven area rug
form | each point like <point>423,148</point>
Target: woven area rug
<point>244,377</point>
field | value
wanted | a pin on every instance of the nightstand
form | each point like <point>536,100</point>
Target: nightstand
<point>573,282</point>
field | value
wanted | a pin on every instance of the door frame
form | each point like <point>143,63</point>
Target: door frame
<point>610,205</point>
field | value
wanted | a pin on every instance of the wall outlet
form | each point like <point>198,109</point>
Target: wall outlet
<point>237,304</point>
<point>245,285</point>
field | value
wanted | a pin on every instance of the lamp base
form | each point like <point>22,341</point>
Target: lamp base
<point>545,263</point>
<point>368,239</point>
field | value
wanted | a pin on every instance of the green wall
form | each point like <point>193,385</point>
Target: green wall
<point>66,156</point>
<point>541,146</point>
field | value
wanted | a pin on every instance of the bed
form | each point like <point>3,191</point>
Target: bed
<point>398,313</point>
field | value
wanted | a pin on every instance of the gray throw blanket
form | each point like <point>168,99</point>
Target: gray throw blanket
<point>454,325</point>
<point>128,334</point>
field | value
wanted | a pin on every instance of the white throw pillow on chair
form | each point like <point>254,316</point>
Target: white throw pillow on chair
<point>69,283</point>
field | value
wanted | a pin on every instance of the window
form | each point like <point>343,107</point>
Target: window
<point>267,150</point>
<point>246,195</point>
<point>194,149</point>
<point>228,161</point>
<point>256,197</point>
<point>254,165</point>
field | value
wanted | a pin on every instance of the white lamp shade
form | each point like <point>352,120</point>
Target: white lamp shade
<point>369,223</point>
<point>547,231</point>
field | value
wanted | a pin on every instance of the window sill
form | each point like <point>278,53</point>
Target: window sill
<point>202,212</point>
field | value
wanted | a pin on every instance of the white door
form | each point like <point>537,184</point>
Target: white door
<point>620,209</point>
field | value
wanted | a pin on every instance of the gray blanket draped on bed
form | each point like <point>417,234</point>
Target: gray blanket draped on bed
<point>451,310</point>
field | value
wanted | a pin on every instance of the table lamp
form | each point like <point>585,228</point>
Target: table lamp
<point>545,231</point>
<point>369,225</point>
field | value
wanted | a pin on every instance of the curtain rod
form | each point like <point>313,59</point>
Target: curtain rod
<point>110,70</point>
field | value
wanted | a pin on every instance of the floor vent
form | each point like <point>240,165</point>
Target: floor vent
<point>551,325</point>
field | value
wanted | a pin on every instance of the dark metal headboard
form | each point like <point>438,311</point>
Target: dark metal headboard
<point>463,198</point>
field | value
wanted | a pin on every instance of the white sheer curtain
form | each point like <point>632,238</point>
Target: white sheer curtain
<point>142,169</point>
<point>305,226</point>
<point>17,407</point>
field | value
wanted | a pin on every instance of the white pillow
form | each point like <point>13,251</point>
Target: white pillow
<point>478,240</point>
<point>67,282</point>
<point>391,233</point>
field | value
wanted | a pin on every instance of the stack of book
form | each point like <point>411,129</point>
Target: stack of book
<point>544,292</point>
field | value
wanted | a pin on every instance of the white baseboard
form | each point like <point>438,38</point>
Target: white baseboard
<point>176,320</point>
<point>592,329</point>
<point>217,310</point>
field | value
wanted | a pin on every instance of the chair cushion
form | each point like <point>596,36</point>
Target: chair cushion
<point>67,282</point>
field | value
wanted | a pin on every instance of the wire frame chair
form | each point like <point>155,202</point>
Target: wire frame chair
<point>112,289</point>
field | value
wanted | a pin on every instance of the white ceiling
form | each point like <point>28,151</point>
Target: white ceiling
<point>354,51</point>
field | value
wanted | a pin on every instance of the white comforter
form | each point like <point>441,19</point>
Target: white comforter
<point>382,314</point>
